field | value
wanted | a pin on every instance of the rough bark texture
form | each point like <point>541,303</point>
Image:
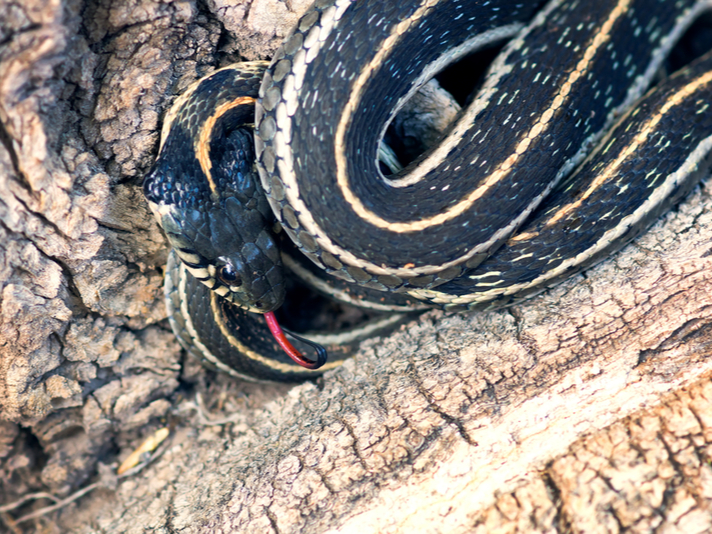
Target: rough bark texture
<point>587,409</point>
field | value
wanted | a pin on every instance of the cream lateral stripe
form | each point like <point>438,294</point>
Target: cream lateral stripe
<point>293,196</point>
<point>658,195</point>
<point>194,337</point>
<point>343,338</point>
<point>498,69</point>
<point>638,140</point>
<point>496,177</point>
<point>340,295</point>
<point>174,110</point>
<point>251,354</point>
<point>474,44</point>
<point>202,147</point>
<point>288,177</point>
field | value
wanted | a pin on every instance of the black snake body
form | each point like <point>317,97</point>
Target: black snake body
<point>466,225</point>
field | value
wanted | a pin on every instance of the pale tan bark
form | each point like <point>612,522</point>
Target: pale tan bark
<point>585,409</point>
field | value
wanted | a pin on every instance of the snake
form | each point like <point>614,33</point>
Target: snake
<point>562,156</point>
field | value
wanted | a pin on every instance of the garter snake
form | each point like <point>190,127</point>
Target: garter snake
<point>493,214</point>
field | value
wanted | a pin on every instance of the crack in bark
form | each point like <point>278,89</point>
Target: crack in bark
<point>681,335</point>
<point>354,448</point>
<point>560,519</point>
<point>272,519</point>
<point>451,420</point>
<point>6,141</point>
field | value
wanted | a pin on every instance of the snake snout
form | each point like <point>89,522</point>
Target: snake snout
<point>253,281</point>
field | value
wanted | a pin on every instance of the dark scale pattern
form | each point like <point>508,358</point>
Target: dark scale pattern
<point>233,225</point>
<point>249,328</point>
<point>165,184</point>
<point>362,32</point>
<point>682,129</point>
<point>229,228</point>
<point>538,67</point>
<point>180,180</point>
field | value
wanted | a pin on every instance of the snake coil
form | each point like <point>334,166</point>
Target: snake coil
<point>557,162</point>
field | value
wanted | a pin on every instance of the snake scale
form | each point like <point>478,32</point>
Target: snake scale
<point>558,160</point>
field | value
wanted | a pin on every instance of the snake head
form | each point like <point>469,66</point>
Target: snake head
<point>233,252</point>
<point>229,247</point>
<point>206,195</point>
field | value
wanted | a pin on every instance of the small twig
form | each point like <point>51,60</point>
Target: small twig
<point>64,502</point>
<point>28,497</point>
<point>149,445</point>
<point>107,480</point>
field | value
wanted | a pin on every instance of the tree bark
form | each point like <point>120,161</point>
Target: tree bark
<point>585,409</point>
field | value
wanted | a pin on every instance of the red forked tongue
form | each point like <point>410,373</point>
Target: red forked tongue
<point>293,353</point>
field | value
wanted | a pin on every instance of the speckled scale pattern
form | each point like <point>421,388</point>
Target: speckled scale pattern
<point>623,193</point>
<point>323,96</point>
<point>677,151</point>
<point>529,77</point>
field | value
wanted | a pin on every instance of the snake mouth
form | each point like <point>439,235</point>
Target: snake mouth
<point>266,302</point>
<point>253,289</point>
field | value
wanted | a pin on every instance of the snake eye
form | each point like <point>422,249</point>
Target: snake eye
<point>228,276</point>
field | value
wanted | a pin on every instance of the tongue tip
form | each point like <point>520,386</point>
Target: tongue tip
<point>289,349</point>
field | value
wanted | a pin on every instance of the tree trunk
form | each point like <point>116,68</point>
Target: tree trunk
<point>587,409</point>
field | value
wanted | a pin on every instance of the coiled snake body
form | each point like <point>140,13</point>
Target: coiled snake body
<point>548,170</point>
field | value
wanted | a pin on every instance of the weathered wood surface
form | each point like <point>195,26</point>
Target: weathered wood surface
<point>587,409</point>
